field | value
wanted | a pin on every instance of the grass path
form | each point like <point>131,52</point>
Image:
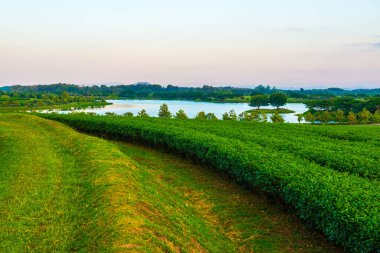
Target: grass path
<point>62,191</point>
<point>250,221</point>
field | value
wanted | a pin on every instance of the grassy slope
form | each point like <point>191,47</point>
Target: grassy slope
<point>65,191</point>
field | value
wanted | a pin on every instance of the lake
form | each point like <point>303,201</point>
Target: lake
<point>191,108</point>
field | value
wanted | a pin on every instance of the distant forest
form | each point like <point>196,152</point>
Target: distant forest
<point>170,92</point>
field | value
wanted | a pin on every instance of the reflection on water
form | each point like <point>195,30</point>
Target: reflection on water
<point>191,108</point>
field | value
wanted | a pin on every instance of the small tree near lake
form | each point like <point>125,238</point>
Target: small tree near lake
<point>324,117</point>
<point>339,116</point>
<point>352,118</point>
<point>225,116</point>
<point>278,99</point>
<point>375,118</point>
<point>259,100</point>
<point>211,116</point>
<point>200,115</point>
<point>264,117</point>
<point>164,111</point>
<point>277,118</point>
<point>299,118</point>
<point>128,114</point>
<point>364,116</point>
<point>309,117</point>
<point>143,114</point>
<point>181,115</point>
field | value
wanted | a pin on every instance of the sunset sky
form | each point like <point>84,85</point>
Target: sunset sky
<point>293,43</point>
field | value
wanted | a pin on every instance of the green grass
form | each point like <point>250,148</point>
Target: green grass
<point>328,174</point>
<point>279,110</point>
<point>215,208</point>
<point>61,190</point>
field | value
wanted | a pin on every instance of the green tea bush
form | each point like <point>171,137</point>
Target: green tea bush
<point>343,204</point>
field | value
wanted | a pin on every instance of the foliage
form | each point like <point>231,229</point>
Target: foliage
<point>346,104</point>
<point>170,92</point>
<point>375,118</point>
<point>300,118</point>
<point>225,116</point>
<point>200,115</point>
<point>277,118</point>
<point>270,111</point>
<point>301,164</point>
<point>143,114</point>
<point>324,117</point>
<point>339,116</point>
<point>352,118</point>
<point>259,100</point>
<point>181,115</point>
<point>263,117</point>
<point>40,100</point>
<point>164,111</point>
<point>231,115</point>
<point>128,114</point>
<point>91,195</point>
<point>364,116</point>
<point>278,99</point>
<point>211,116</point>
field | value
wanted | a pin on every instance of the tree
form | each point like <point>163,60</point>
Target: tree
<point>259,100</point>
<point>364,116</point>
<point>226,116</point>
<point>211,116</point>
<point>128,114</point>
<point>181,115</point>
<point>245,116</point>
<point>339,116</point>
<point>309,117</point>
<point>4,98</point>
<point>164,111</point>
<point>242,116</point>
<point>255,116</point>
<point>200,115</point>
<point>278,99</point>
<point>264,117</point>
<point>352,118</point>
<point>143,114</point>
<point>375,117</point>
<point>277,118</point>
<point>299,118</point>
<point>65,96</point>
<point>232,115</point>
<point>324,117</point>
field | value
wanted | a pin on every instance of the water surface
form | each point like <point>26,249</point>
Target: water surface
<point>191,108</point>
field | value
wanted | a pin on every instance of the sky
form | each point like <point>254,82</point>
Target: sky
<point>293,43</point>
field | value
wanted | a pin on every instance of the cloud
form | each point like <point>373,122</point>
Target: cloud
<point>376,45</point>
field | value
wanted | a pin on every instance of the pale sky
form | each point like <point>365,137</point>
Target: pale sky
<point>292,43</point>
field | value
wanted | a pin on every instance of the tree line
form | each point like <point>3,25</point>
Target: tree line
<point>170,92</point>
<point>324,117</point>
<point>276,99</point>
<point>43,99</point>
<point>346,104</point>
<point>164,112</point>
